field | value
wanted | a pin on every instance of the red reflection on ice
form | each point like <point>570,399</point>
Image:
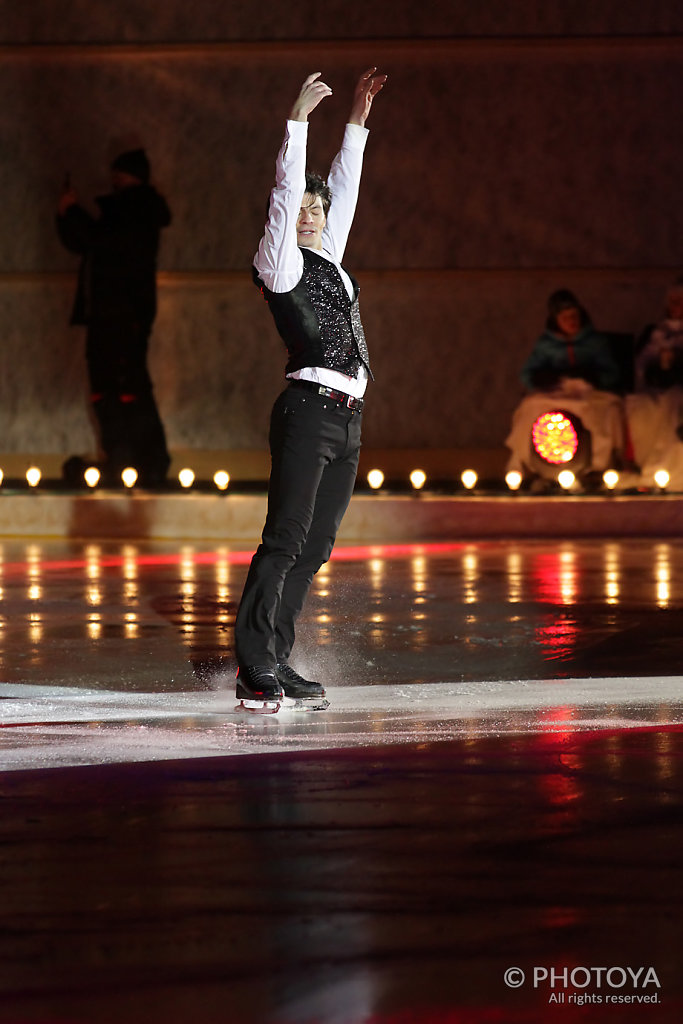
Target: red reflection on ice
<point>349,554</point>
<point>558,639</point>
<point>554,577</point>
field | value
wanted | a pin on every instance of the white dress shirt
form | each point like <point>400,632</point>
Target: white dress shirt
<point>279,262</point>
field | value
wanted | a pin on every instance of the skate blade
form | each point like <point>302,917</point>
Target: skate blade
<point>305,703</point>
<point>258,707</point>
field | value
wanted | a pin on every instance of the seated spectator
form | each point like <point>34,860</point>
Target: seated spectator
<point>655,411</point>
<point>569,348</point>
<point>659,365</point>
<point>571,368</point>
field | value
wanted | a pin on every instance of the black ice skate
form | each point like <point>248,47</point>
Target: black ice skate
<point>258,690</point>
<point>300,694</point>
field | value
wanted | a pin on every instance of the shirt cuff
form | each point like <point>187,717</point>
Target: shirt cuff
<point>355,136</point>
<point>297,131</point>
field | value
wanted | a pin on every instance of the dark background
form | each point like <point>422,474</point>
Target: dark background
<point>517,148</point>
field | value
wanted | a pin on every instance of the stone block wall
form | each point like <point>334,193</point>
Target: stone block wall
<point>517,148</point>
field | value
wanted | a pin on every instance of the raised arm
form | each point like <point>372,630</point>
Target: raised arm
<point>345,173</point>
<point>278,260</point>
<point>74,224</point>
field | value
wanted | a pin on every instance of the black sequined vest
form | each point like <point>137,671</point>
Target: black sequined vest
<point>318,322</point>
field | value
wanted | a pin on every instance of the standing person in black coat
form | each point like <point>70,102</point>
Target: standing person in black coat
<point>116,301</point>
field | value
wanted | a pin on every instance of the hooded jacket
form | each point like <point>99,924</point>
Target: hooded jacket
<point>587,356</point>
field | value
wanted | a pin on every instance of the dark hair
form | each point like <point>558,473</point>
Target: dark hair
<point>317,186</point>
<point>564,299</point>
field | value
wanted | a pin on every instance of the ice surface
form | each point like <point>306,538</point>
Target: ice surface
<point>118,653</point>
<point>45,727</point>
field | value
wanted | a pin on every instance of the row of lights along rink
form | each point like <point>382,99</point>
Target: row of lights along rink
<point>513,479</point>
<point>375,478</point>
<point>129,477</point>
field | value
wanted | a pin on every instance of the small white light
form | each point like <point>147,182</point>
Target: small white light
<point>129,476</point>
<point>33,476</point>
<point>2,476</point>
<point>610,478</point>
<point>513,479</point>
<point>418,478</point>
<point>469,479</point>
<point>375,479</point>
<point>566,479</point>
<point>662,479</point>
<point>221,479</point>
<point>92,476</point>
<point>186,477</point>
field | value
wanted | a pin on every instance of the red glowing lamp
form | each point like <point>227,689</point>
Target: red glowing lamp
<point>554,438</point>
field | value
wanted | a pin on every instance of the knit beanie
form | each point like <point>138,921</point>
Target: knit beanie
<point>133,162</point>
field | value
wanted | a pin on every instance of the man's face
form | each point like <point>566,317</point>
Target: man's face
<point>121,180</point>
<point>569,322</point>
<point>310,222</point>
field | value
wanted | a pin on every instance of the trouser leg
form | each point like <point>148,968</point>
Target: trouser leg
<point>308,436</point>
<point>111,420</point>
<point>334,493</point>
<point>148,439</point>
<point>131,431</point>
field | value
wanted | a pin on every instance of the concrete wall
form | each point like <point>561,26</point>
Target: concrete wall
<point>517,148</point>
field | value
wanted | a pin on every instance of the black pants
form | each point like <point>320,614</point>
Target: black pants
<point>314,444</point>
<point>131,431</point>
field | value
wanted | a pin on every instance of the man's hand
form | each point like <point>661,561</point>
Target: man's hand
<point>312,92</point>
<point>67,197</point>
<point>369,84</point>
